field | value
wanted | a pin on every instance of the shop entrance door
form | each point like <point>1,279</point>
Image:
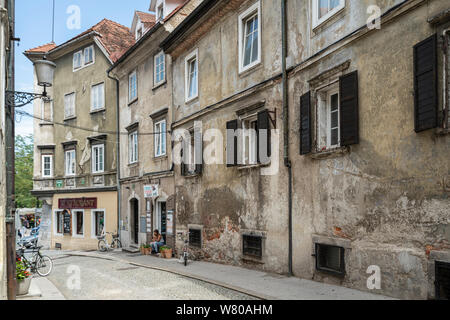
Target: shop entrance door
<point>134,204</point>
<point>161,220</point>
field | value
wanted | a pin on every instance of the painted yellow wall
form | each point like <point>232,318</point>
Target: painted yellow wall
<point>106,201</point>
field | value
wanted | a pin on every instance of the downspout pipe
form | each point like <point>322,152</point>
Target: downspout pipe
<point>119,196</point>
<point>287,161</point>
<point>445,48</point>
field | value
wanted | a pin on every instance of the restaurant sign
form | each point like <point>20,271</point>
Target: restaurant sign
<point>78,203</point>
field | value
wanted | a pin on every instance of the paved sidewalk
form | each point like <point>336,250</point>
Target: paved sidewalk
<point>255,283</point>
<point>42,289</point>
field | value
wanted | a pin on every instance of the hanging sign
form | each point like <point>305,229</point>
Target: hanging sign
<point>151,191</point>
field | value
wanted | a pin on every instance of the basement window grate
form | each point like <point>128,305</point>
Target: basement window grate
<point>195,238</point>
<point>330,259</point>
<point>252,246</point>
<point>442,283</point>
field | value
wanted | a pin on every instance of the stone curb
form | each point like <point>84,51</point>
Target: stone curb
<point>180,273</point>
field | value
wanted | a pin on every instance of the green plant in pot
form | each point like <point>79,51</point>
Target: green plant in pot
<point>23,276</point>
<point>166,252</point>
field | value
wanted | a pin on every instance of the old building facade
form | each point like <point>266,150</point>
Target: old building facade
<point>75,165</point>
<point>147,192</point>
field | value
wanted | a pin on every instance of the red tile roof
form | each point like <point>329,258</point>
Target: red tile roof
<point>147,19</point>
<point>114,37</point>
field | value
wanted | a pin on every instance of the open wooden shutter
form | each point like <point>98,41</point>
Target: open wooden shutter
<point>264,136</point>
<point>349,113</point>
<point>183,157</point>
<point>305,124</point>
<point>232,143</point>
<point>198,149</point>
<point>425,84</point>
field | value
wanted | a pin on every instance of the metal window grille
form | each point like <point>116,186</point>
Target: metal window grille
<point>330,259</point>
<point>195,238</point>
<point>252,246</point>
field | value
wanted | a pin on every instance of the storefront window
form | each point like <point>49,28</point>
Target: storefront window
<point>99,217</point>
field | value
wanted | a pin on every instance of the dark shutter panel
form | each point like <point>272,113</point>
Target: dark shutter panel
<point>425,85</point>
<point>198,149</point>
<point>305,124</point>
<point>183,156</point>
<point>349,112</point>
<point>232,152</point>
<point>264,136</point>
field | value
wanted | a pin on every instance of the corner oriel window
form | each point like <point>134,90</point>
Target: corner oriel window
<point>250,37</point>
<point>325,9</point>
<point>191,76</point>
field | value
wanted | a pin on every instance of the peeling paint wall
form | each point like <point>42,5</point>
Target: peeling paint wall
<point>388,195</point>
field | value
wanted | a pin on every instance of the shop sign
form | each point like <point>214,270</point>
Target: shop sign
<point>78,203</point>
<point>151,191</point>
<point>59,183</point>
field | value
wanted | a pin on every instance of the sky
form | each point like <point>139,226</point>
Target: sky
<point>34,28</point>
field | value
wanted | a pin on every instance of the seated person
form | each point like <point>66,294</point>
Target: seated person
<point>157,242</point>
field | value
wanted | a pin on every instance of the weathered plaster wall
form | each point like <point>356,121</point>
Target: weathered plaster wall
<point>389,196</point>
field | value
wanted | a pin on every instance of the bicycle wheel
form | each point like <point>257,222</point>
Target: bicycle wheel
<point>185,260</point>
<point>116,244</point>
<point>44,266</point>
<point>102,246</point>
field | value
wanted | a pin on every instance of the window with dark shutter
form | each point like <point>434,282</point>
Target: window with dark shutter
<point>349,115</point>
<point>264,137</point>
<point>232,143</point>
<point>184,157</point>
<point>425,85</point>
<point>305,124</point>
<point>198,149</point>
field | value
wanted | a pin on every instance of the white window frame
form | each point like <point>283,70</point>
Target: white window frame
<point>100,147</point>
<point>94,96</point>
<point>78,54</point>
<point>133,147</point>
<point>328,92</point>
<point>93,211</point>
<point>316,21</point>
<point>187,75</point>
<point>252,137</point>
<point>82,56</point>
<point>85,64</point>
<point>72,107</point>
<point>66,165</point>
<point>139,33</point>
<point>74,223</point>
<point>55,223</point>
<point>43,165</point>
<point>160,12</point>
<point>255,9</point>
<point>155,65</point>
<point>131,75</point>
<point>161,136</point>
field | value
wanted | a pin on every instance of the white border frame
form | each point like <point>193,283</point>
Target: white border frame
<point>51,165</point>
<point>316,21</point>
<point>92,97</point>
<point>93,211</point>
<point>155,83</point>
<point>160,134</point>
<point>130,152</point>
<point>186,75</point>
<point>74,223</point>
<point>102,145</point>
<point>255,8</point>
<point>65,163</point>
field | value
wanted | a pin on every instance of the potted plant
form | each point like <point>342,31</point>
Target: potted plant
<point>147,249</point>
<point>23,278</point>
<point>166,252</point>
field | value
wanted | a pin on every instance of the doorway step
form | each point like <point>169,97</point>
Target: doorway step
<point>132,249</point>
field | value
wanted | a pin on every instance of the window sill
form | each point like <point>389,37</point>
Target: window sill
<point>98,111</point>
<point>133,165</point>
<point>244,72</point>
<point>253,166</point>
<point>317,26</point>
<point>191,175</point>
<point>191,100</point>
<point>330,154</point>
<point>70,118</point>
<point>158,85</point>
<point>132,102</point>
<point>43,124</point>
<point>158,158</point>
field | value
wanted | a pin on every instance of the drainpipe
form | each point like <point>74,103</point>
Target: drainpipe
<point>446,35</point>
<point>119,197</point>
<point>287,162</point>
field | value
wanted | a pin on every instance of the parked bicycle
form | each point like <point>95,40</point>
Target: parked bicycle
<point>185,257</point>
<point>38,263</point>
<point>104,245</point>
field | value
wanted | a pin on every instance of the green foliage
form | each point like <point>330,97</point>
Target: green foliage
<point>21,270</point>
<point>24,172</point>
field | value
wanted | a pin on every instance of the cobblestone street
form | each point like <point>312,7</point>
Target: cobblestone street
<point>110,280</point>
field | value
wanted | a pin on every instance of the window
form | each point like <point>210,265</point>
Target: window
<point>250,140</point>
<point>160,11</point>
<point>328,119</point>
<point>133,147</point>
<point>330,259</point>
<point>47,166</point>
<point>98,97</point>
<point>325,9</point>
<point>132,87</point>
<point>191,76</point>
<point>88,55</point>
<point>252,246</point>
<point>77,60</point>
<point>192,153</point>
<point>139,33</point>
<point>98,158</point>
<point>59,217</point>
<point>69,105</point>
<point>195,238</point>
<point>47,111</point>
<point>160,73</point>
<point>78,222</point>
<point>98,222</point>
<point>160,138</point>
<point>250,37</point>
<point>70,158</point>
<point>442,275</point>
